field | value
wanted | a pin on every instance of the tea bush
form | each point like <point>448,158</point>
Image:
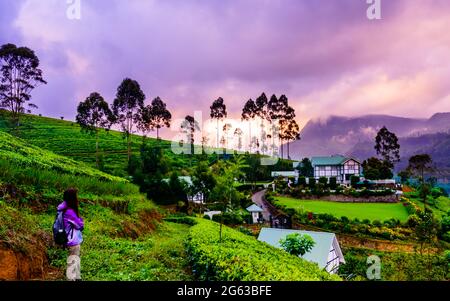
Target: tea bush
<point>239,257</point>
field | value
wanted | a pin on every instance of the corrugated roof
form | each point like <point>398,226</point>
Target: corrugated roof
<point>333,160</point>
<point>318,254</point>
<point>254,208</point>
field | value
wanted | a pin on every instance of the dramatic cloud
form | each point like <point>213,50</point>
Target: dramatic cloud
<point>326,56</point>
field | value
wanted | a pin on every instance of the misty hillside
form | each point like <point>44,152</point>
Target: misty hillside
<point>355,136</point>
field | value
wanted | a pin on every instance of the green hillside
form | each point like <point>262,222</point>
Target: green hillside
<point>125,237</point>
<point>65,138</point>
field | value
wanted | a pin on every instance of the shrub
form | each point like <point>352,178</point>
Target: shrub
<point>312,182</point>
<point>302,181</point>
<point>354,180</point>
<point>323,180</point>
<point>230,218</point>
<point>181,220</point>
<point>333,183</point>
<point>376,223</point>
<point>437,192</point>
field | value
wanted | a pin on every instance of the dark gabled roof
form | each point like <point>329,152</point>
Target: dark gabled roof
<point>331,160</point>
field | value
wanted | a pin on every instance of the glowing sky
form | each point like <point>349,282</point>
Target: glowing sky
<point>326,56</point>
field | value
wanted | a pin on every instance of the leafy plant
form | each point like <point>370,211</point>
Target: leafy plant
<point>297,244</point>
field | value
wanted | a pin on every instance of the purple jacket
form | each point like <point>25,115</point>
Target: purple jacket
<point>73,224</point>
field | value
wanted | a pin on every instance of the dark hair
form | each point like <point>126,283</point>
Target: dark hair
<point>70,196</point>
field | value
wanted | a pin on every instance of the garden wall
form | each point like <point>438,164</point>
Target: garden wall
<point>351,199</point>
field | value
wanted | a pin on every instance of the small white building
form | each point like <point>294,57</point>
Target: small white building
<point>256,212</point>
<point>326,251</point>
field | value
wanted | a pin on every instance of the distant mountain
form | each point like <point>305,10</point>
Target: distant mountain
<point>436,145</point>
<point>355,136</point>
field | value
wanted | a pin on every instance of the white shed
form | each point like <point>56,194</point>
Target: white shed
<point>256,212</point>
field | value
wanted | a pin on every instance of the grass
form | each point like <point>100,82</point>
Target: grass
<point>370,211</point>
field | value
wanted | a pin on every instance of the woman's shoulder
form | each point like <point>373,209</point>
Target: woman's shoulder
<point>70,212</point>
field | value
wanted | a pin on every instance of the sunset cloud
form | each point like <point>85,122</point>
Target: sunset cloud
<point>326,56</point>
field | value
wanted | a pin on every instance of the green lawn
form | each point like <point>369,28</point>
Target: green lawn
<point>379,211</point>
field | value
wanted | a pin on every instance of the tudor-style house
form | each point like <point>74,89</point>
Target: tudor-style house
<point>336,166</point>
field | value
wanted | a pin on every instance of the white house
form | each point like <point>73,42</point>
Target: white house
<point>256,212</point>
<point>326,251</point>
<point>341,167</point>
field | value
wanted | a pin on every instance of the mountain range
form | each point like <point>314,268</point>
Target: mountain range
<point>355,137</point>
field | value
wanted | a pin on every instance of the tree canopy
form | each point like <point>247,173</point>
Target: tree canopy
<point>127,107</point>
<point>297,244</point>
<point>387,146</point>
<point>19,75</point>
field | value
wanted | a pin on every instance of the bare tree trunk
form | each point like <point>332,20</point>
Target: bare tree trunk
<point>282,149</point>
<point>250,136</point>
<point>288,154</point>
<point>217,127</point>
<point>129,145</point>
<point>96,148</point>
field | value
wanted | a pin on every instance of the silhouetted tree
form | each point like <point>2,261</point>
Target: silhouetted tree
<point>386,145</point>
<point>20,74</point>
<point>127,108</point>
<point>238,133</point>
<point>155,116</point>
<point>248,114</point>
<point>419,164</point>
<point>190,125</point>
<point>93,114</point>
<point>263,115</point>
<point>292,133</point>
<point>218,112</point>
<point>226,129</point>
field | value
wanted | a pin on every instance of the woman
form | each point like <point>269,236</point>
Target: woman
<point>73,224</point>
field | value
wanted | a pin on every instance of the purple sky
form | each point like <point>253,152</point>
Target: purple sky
<point>326,56</point>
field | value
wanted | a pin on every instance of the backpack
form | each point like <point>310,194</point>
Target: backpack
<point>59,231</point>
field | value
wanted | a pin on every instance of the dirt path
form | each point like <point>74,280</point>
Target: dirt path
<point>258,199</point>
